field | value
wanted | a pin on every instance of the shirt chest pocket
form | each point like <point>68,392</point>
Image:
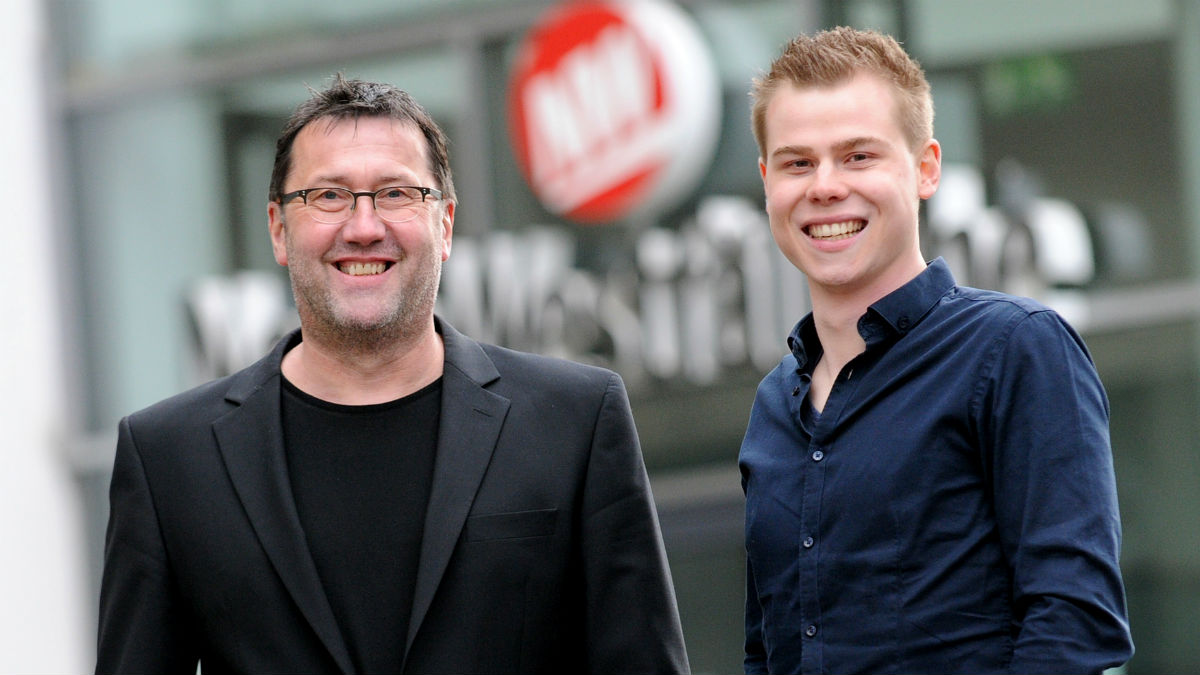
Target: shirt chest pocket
<point>512,525</point>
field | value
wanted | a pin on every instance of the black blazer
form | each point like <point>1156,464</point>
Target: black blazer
<point>542,550</point>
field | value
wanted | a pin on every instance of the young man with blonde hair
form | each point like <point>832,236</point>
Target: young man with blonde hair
<point>928,476</point>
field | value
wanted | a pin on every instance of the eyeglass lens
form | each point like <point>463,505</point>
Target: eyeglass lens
<point>393,204</point>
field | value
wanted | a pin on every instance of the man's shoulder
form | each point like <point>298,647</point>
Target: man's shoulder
<point>193,404</point>
<point>553,370</point>
<point>1011,319</point>
<point>483,360</point>
<point>1001,299</point>
<point>204,401</point>
<point>996,307</point>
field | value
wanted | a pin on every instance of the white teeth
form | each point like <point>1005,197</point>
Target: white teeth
<point>836,230</point>
<point>362,268</point>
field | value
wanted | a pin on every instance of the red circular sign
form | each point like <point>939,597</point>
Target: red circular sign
<point>612,107</point>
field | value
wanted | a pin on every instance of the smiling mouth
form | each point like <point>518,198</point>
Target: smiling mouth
<point>835,231</point>
<point>359,269</point>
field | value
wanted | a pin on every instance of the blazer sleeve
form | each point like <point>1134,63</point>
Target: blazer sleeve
<point>632,617</point>
<point>141,625</point>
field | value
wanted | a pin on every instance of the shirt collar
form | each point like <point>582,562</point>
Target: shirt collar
<point>891,316</point>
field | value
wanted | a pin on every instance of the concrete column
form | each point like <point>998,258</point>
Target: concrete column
<point>45,625</point>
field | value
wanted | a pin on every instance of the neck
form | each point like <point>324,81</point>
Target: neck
<point>837,329</point>
<point>352,374</point>
<point>836,312</point>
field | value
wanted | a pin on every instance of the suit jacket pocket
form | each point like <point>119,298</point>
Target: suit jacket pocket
<point>514,525</point>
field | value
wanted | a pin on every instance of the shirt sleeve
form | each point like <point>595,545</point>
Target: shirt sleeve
<point>632,617</point>
<point>141,624</point>
<point>1046,443</point>
<point>756,653</point>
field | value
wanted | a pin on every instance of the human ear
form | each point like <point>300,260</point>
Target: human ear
<point>275,225</point>
<point>447,228</point>
<point>929,169</point>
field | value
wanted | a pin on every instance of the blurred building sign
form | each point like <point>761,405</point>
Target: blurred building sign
<point>713,294</point>
<point>614,108</point>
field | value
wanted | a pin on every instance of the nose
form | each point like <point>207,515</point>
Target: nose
<point>828,185</point>
<point>364,225</point>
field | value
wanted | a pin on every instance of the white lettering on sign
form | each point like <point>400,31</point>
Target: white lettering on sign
<point>584,119</point>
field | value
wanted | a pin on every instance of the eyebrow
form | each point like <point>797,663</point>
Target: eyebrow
<point>389,180</point>
<point>840,146</point>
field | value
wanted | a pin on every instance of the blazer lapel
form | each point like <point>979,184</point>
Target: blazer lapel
<point>471,419</point>
<point>251,442</point>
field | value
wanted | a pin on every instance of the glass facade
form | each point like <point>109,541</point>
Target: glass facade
<point>1071,128</point>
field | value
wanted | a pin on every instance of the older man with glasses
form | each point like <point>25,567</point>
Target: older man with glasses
<point>381,493</point>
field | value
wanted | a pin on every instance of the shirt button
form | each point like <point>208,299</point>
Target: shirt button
<point>811,630</point>
<point>903,323</point>
<point>808,542</point>
<point>818,456</point>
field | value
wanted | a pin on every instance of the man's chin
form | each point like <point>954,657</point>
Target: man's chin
<point>364,323</point>
<point>351,330</point>
<point>367,326</point>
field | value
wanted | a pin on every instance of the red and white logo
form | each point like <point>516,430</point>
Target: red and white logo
<point>614,108</point>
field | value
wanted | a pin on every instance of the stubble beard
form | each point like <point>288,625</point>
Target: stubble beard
<point>324,321</point>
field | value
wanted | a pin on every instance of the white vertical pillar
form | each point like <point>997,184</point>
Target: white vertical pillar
<point>44,623</point>
<point>1187,84</point>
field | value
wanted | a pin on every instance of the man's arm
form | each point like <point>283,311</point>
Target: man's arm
<point>632,619</point>
<point>1056,502</point>
<point>140,629</point>
<point>756,653</point>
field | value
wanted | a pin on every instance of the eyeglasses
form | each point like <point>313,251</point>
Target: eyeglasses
<point>333,205</point>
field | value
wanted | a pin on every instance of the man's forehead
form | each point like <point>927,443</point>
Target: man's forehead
<point>336,134</point>
<point>331,149</point>
<point>863,79</point>
<point>820,103</point>
<point>331,124</point>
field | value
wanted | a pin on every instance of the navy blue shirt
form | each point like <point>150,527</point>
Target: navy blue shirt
<point>951,509</point>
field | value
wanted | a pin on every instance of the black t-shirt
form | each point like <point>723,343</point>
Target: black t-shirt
<point>361,477</point>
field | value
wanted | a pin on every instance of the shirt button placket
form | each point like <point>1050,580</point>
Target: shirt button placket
<point>808,543</point>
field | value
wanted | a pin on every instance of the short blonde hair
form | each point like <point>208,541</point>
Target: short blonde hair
<point>834,56</point>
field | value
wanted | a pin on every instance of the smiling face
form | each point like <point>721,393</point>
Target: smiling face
<point>843,187</point>
<point>365,279</point>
